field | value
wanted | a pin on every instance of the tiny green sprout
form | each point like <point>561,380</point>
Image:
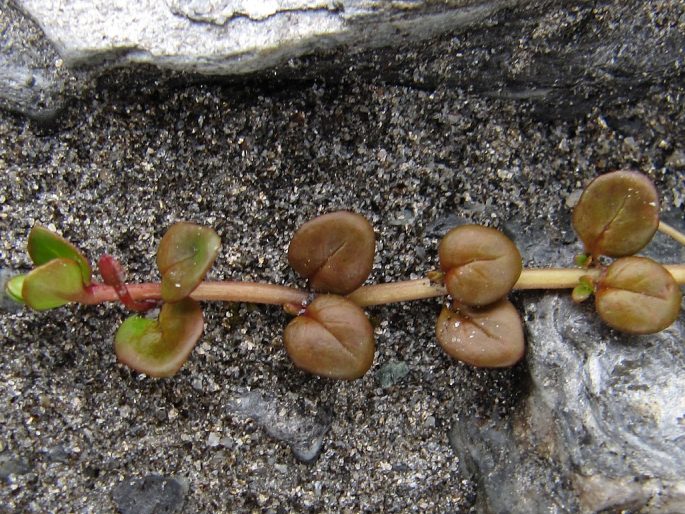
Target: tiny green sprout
<point>481,264</point>
<point>185,254</point>
<point>44,246</point>
<point>487,337</point>
<point>159,348</point>
<point>637,295</point>
<point>334,252</point>
<point>584,290</point>
<point>53,284</point>
<point>617,214</point>
<point>333,338</point>
<point>14,286</point>
<point>583,260</point>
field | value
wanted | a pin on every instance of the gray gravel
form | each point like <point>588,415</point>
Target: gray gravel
<point>132,155</point>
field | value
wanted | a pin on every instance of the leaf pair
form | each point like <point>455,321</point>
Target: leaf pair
<point>480,327</point>
<point>156,347</point>
<point>616,216</point>
<point>332,337</point>
<point>160,347</point>
<point>62,274</point>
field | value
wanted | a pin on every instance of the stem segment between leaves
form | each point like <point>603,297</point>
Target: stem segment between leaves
<point>667,229</point>
<point>378,294</point>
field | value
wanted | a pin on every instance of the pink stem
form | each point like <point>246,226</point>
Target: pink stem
<point>113,276</point>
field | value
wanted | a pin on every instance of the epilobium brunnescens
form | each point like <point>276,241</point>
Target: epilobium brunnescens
<point>331,335</point>
<point>332,338</point>
<point>617,214</point>
<point>185,254</point>
<point>45,246</point>
<point>160,347</point>
<point>481,264</point>
<point>637,295</point>
<point>334,252</point>
<point>489,336</point>
<point>62,275</point>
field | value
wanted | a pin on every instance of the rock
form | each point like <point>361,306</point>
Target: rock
<point>514,49</point>
<point>153,494</point>
<point>601,428</point>
<point>32,79</point>
<point>233,36</point>
<point>12,465</point>
<point>391,373</point>
<point>213,440</point>
<point>676,160</point>
<point>58,454</point>
<point>302,427</point>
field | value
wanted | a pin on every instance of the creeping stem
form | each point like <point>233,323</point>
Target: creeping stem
<point>248,292</point>
<point>672,232</point>
<point>378,294</point>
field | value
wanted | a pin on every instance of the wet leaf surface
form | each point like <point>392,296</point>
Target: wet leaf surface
<point>617,214</point>
<point>481,264</point>
<point>489,337</point>
<point>638,295</point>
<point>159,348</point>
<point>334,252</point>
<point>333,338</point>
<point>185,254</point>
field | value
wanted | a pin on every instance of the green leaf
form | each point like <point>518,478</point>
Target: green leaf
<point>14,286</point>
<point>44,246</point>
<point>481,264</point>
<point>185,254</point>
<point>53,284</point>
<point>334,252</point>
<point>333,338</point>
<point>583,260</point>
<point>617,214</point>
<point>159,348</point>
<point>638,295</point>
<point>584,290</point>
<point>490,337</point>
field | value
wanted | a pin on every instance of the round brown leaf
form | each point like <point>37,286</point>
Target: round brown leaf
<point>617,214</point>
<point>481,264</point>
<point>333,338</point>
<point>334,252</point>
<point>489,337</point>
<point>638,295</point>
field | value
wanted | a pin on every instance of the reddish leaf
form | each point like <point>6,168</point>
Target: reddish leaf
<point>638,295</point>
<point>159,348</point>
<point>333,338</point>
<point>481,264</point>
<point>617,214</point>
<point>334,252</point>
<point>185,254</point>
<point>490,337</point>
